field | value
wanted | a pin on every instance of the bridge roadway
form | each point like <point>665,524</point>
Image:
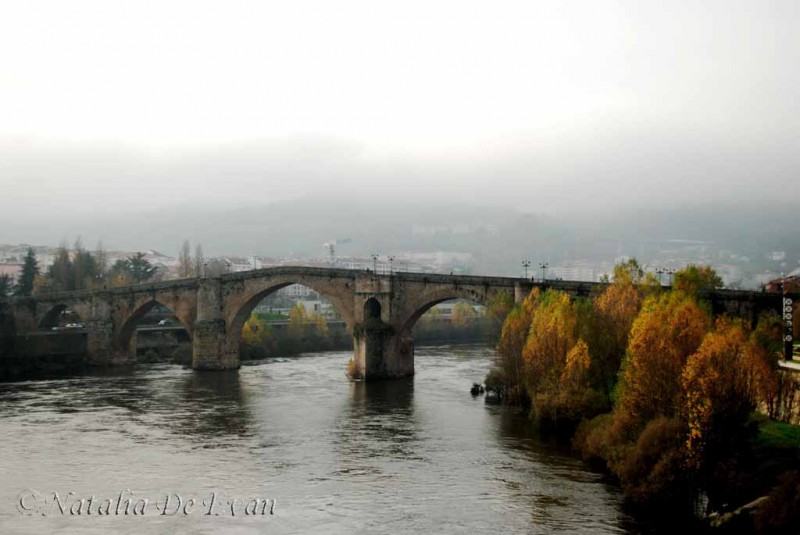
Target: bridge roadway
<point>379,311</point>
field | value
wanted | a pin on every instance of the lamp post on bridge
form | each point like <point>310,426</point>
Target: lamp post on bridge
<point>526,264</point>
<point>375,264</point>
<point>391,271</point>
<point>544,266</point>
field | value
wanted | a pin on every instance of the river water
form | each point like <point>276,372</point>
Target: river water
<point>409,456</point>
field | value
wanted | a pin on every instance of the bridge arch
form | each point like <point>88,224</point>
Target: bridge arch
<point>127,328</point>
<point>240,308</point>
<point>52,315</point>
<point>427,300</point>
<point>372,309</point>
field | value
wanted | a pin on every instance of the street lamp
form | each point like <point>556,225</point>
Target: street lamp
<point>526,264</point>
<point>543,265</point>
<point>670,272</point>
<point>391,259</point>
<point>375,264</point>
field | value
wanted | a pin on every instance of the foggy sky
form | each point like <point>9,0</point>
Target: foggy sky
<point>110,107</point>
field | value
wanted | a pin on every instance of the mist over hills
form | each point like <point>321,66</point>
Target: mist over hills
<point>497,238</point>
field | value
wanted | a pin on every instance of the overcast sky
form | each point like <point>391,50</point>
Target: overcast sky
<point>538,105</point>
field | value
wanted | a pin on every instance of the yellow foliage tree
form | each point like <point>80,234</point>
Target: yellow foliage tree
<point>575,377</point>
<point>463,314</point>
<point>614,313</point>
<point>669,328</point>
<point>255,331</point>
<point>719,386</point>
<point>500,306</point>
<point>321,323</point>
<point>512,339</point>
<point>552,333</point>
<point>693,279</point>
<point>297,320</point>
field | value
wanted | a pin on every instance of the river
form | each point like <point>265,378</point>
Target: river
<point>410,456</point>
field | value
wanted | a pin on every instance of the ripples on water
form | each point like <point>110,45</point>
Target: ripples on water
<point>408,456</point>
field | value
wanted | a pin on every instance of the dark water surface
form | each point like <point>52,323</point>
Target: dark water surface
<point>412,456</point>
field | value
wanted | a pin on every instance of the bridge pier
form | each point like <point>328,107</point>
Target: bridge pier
<point>101,349</point>
<point>212,348</point>
<point>381,354</point>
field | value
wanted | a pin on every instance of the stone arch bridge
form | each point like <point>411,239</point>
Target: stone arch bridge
<point>378,310</point>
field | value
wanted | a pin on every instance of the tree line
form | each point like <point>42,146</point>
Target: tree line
<point>653,389</point>
<point>77,269</point>
<point>307,331</point>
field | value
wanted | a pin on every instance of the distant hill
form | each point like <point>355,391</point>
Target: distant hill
<point>497,238</point>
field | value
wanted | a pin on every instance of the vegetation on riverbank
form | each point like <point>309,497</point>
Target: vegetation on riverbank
<point>657,392</point>
<point>309,331</point>
<point>306,331</point>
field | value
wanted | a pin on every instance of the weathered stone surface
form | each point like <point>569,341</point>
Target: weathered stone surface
<point>209,348</point>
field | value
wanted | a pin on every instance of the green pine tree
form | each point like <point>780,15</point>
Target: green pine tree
<point>30,269</point>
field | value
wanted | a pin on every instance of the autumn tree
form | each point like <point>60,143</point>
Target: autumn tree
<point>500,305</point>
<point>30,270</point>
<point>321,324</point>
<point>643,440</point>
<point>255,331</point>
<point>558,365</point>
<point>609,323</point>
<point>514,334</point>
<point>628,272</point>
<point>297,320</point>
<point>720,385</point>
<point>669,328</point>
<point>463,314</point>
<point>577,366</point>
<point>552,333</point>
<point>693,279</point>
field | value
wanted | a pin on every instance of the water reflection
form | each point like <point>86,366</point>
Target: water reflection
<point>213,404</point>
<point>375,399</point>
<point>204,405</point>
<point>378,420</point>
<point>555,486</point>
